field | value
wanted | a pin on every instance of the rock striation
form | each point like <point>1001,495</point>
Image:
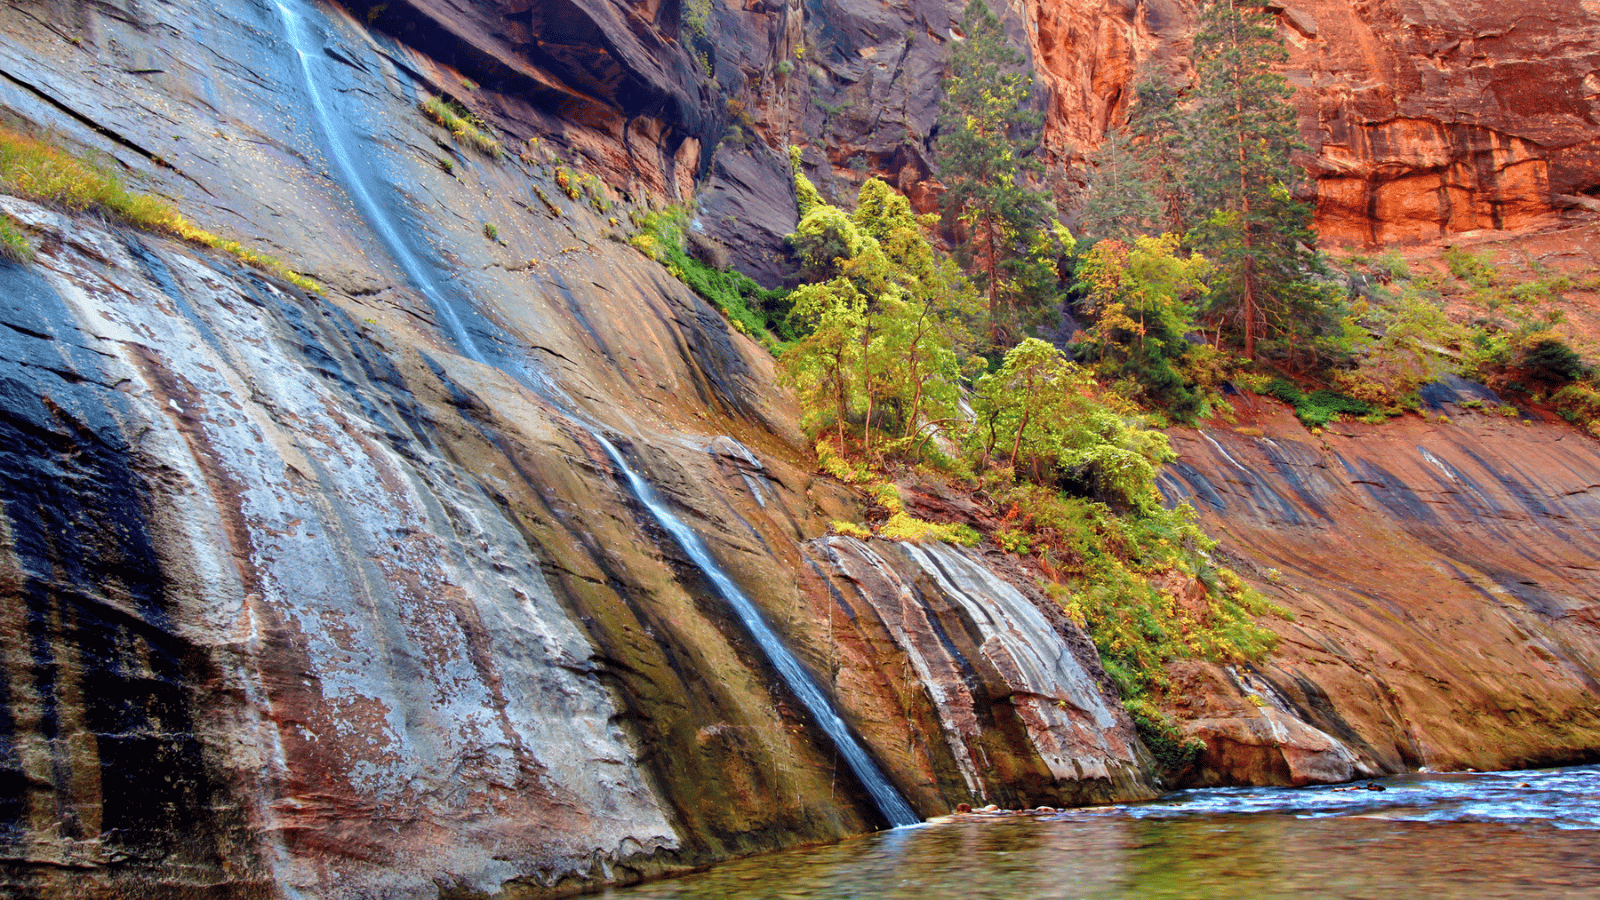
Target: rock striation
<point>340,595</point>
<point>1441,579</point>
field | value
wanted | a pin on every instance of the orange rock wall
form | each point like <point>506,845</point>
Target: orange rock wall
<point>1424,117</point>
<point>1441,580</point>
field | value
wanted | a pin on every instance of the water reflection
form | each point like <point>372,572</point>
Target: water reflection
<point>1525,834</point>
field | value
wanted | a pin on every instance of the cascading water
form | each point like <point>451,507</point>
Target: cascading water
<point>336,142</point>
<point>894,807</point>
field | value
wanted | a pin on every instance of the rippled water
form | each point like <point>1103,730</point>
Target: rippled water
<point>1509,834</point>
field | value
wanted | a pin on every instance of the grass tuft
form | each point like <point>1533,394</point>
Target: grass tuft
<point>38,170</point>
<point>463,125</point>
<point>14,245</point>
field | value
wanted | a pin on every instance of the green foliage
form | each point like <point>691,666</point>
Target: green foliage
<point>900,524</point>
<point>1044,416</point>
<point>1118,565</point>
<point>879,373</point>
<point>697,15</point>
<point>985,136</point>
<point>754,310</point>
<point>1158,130</point>
<point>1270,285</point>
<point>824,238</point>
<point>583,184</point>
<point>1320,407</point>
<point>1403,341</point>
<point>565,181</point>
<point>1120,199</point>
<point>850,529</point>
<point>1391,266</point>
<point>1578,403</point>
<point>750,308</point>
<point>884,333</point>
<point>1173,751</point>
<point>14,245</point>
<point>1551,362</point>
<point>41,171</point>
<point>1472,268</point>
<point>1142,301</point>
<point>491,231</point>
<point>462,124</point>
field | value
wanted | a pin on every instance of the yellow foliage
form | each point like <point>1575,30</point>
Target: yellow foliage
<point>41,171</point>
<point>850,529</point>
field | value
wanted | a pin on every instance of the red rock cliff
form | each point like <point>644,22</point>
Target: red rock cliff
<point>1424,117</point>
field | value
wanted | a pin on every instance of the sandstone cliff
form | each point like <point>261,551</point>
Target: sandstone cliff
<point>342,595</point>
<point>1423,118</point>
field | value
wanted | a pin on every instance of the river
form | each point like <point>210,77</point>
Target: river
<point>1533,834</point>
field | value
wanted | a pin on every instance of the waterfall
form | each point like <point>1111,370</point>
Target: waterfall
<point>336,141</point>
<point>893,807</point>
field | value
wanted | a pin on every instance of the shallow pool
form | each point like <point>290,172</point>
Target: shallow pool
<point>1511,834</point>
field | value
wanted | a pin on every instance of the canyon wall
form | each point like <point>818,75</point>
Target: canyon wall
<point>1422,118</point>
<point>342,594</point>
<point>1440,580</point>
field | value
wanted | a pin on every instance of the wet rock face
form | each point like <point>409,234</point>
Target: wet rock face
<point>1025,716</point>
<point>338,595</point>
<point>302,603</point>
<point>1436,116</point>
<point>1442,583</point>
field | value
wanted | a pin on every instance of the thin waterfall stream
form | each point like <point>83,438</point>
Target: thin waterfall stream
<point>894,808</point>
<point>335,141</point>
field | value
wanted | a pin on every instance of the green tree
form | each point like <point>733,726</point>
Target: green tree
<point>888,332</point>
<point>922,314</point>
<point>1248,223</point>
<point>824,366</point>
<point>1135,181</point>
<point>986,133</point>
<point>1159,135</point>
<point>1142,299</point>
<point>1120,199</point>
<point>1046,415</point>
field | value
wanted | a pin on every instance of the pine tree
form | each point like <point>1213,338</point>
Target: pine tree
<point>1247,221</point>
<point>1120,201</point>
<point>1135,180</point>
<point>984,141</point>
<point>1158,131</point>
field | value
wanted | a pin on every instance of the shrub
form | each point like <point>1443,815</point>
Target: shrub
<point>1472,268</point>
<point>1113,561</point>
<point>1551,362</point>
<point>1317,409</point>
<point>462,124</point>
<point>751,308</point>
<point>1173,752</point>
<point>1391,266</point>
